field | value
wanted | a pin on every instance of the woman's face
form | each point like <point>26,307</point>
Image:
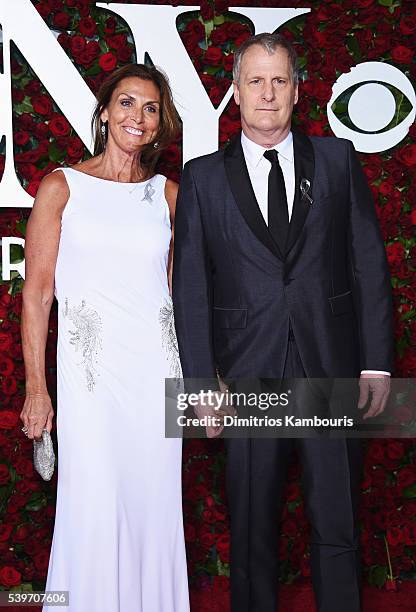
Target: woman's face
<point>133,114</point>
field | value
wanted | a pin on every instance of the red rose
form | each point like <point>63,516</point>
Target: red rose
<point>407,25</point>
<point>78,44</point>
<point>116,41</point>
<point>215,95</point>
<point>406,477</point>
<point>402,54</point>
<point>8,419</point>
<point>395,450</point>
<point>289,527</point>
<point>395,253</point>
<point>75,147</point>
<point>236,29</point>
<point>124,54</point>
<point>322,91</point>
<point>107,62</point>
<point>293,491</point>
<point>171,155</point>
<point>24,467</point>
<point>219,35</point>
<point>4,474</point>
<point>22,533</point>
<point>213,56</point>
<point>364,3</point>
<point>42,104</point>
<point>93,49</point>
<point>6,366</point>
<point>9,385</point>
<point>59,126</point>
<point>242,38</point>
<point>43,10</point>
<point>407,155</point>
<point>5,341</point>
<point>110,25</point>
<point>18,96</point>
<point>64,40</point>
<point>61,20</point>
<point>207,540</point>
<point>207,10</point>
<point>228,62</point>
<point>33,187</point>
<point>21,138</point>
<point>5,531</point>
<point>394,536</point>
<point>85,59</point>
<point>87,26</point>
<point>41,130</point>
<point>9,576</point>
<point>208,80</point>
<point>195,28</point>
<point>41,560</point>
<point>222,545</point>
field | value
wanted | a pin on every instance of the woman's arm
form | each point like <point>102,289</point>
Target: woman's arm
<point>41,250</point>
<point>171,193</point>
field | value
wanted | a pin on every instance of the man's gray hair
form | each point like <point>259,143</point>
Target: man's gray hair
<point>269,42</point>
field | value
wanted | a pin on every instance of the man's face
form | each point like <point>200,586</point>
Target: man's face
<point>266,92</point>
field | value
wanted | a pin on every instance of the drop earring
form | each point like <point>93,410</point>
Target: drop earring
<point>103,129</point>
<point>155,145</point>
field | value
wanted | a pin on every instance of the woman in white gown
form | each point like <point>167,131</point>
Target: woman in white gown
<point>99,239</point>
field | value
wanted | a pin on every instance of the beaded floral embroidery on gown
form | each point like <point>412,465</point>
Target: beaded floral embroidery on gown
<point>86,338</point>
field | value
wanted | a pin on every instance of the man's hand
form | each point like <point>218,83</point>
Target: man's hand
<point>379,386</point>
<point>217,410</point>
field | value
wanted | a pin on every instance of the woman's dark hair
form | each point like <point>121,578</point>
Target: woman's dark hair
<point>169,119</point>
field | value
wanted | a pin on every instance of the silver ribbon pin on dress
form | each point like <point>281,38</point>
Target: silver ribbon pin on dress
<point>305,186</point>
<point>148,193</point>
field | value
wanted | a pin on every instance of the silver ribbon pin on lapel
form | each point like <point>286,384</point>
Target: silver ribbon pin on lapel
<point>148,193</point>
<point>305,186</point>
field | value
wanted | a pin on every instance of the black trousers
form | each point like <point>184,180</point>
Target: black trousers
<point>331,475</point>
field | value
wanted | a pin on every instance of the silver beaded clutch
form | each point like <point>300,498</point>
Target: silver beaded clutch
<point>44,456</point>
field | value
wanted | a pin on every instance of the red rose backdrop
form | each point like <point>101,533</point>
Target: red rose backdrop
<point>333,37</point>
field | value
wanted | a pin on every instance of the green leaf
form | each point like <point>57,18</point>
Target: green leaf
<point>37,502</point>
<point>26,587</point>
<point>219,20</point>
<point>103,46</point>
<point>386,2</point>
<point>55,153</point>
<point>410,492</point>
<point>21,227</point>
<point>93,70</point>
<point>16,253</point>
<point>213,69</point>
<point>223,569</point>
<point>24,107</point>
<point>378,575</point>
<point>209,26</point>
<point>354,47</point>
<point>408,315</point>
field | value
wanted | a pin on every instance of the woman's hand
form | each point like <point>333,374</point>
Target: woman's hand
<point>37,414</point>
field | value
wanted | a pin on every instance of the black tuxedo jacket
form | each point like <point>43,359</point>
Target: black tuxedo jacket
<point>236,295</point>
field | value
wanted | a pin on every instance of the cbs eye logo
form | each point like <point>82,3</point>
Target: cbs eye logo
<point>376,99</point>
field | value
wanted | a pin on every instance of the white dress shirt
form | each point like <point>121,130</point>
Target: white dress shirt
<point>258,169</point>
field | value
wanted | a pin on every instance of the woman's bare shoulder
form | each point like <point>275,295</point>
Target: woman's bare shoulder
<point>53,191</point>
<point>171,189</point>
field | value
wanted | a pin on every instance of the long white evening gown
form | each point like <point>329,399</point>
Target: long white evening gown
<point>118,543</point>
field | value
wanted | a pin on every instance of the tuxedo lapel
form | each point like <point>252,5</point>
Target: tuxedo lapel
<point>242,190</point>
<point>304,173</point>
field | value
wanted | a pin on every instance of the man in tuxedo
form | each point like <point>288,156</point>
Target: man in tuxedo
<point>280,272</point>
